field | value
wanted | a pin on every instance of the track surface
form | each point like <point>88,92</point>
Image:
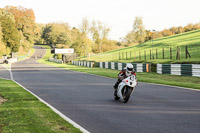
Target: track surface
<point>4,73</point>
<point>88,100</point>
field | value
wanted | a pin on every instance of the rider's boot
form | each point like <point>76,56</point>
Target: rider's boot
<point>116,85</point>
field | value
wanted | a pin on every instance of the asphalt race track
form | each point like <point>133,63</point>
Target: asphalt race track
<point>88,100</point>
<point>4,73</point>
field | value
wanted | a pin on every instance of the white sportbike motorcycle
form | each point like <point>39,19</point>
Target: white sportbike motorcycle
<point>126,88</point>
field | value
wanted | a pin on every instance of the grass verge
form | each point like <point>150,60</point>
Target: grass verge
<point>174,80</point>
<point>24,113</point>
<point>181,81</point>
<point>24,57</point>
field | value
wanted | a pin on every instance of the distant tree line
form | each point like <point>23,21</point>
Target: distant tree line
<point>18,33</point>
<point>139,34</point>
<point>87,39</point>
<point>172,31</point>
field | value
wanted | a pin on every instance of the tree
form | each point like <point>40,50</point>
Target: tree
<point>99,34</point>
<point>63,38</point>
<point>196,26</point>
<point>148,35</point>
<point>87,43</point>
<point>84,27</point>
<point>173,30</point>
<point>45,33</point>
<point>11,36</point>
<point>189,27</point>
<point>139,30</point>
<point>108,45</point>
<point>38,33</point>
<point>56,33</point>
<point>157,35</point>
<point>2,45</point>
<point>25,23</point>
<point>76,41</point>
<point>130,37</point>
<point>80,42</point>
<point>166,32</point>
<point>180,30</point>
<point>74,34</point>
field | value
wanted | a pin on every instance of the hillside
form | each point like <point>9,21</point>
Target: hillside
<point>166,49</point>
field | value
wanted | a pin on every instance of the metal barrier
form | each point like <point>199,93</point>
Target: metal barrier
<point>113,65</point>
<point>56,60</point>
<point>179,69</point>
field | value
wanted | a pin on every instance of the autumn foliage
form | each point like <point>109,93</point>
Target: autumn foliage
<point>18,33</point>
<point>18,28</point>
<point>172,31</point>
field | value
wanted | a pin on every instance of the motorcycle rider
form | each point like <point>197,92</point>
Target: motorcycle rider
<point>124,73</point>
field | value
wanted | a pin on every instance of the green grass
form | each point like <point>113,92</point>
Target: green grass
<point>181,81</point>
<point>132,54</point>
<point>23,57</point>
<point>23,113</point>
<point>47,55</point>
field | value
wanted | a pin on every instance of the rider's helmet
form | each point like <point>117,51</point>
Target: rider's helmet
<point>129,69</point>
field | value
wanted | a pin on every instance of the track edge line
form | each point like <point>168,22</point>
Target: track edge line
<point>55,110</point>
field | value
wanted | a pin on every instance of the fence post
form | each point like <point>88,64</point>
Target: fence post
<point>163,53</point>
<point>156,54</point>
<point>187,52</point>
<point>135,55</point>
<point>170,53</point>
<point>150,54</point>
<point>145,54</point>
<point>139,55</point>
<point>178,54</point>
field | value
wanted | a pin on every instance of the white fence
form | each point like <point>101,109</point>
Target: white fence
<point>56,60</point>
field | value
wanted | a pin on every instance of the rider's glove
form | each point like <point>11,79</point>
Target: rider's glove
<point>120,76</point>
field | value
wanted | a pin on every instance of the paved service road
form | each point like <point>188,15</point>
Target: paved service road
<point>88,100</point>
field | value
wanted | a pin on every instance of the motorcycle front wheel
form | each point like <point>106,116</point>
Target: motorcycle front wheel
<point>126,92</point>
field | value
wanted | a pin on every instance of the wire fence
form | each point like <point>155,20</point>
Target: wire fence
<point>170,53</point>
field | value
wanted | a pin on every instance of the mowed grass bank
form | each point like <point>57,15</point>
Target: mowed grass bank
<point>155,51</point>
<point>24,113</point>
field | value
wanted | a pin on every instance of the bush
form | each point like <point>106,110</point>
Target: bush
<point>153,67</point>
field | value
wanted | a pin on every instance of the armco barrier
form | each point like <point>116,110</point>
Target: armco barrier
<point>55,60</point>
<point>196,70</point>
<point>12,60</point>
<point>83,63</point>
<point>179,69</point>
<point>113,65</point>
